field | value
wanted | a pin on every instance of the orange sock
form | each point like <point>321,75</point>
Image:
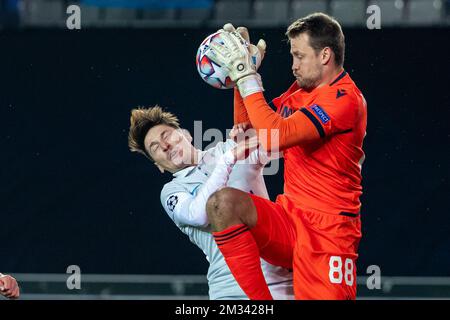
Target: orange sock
<point>242,257</point>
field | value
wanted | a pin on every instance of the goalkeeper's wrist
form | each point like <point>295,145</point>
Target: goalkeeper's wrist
<point>250,84</point>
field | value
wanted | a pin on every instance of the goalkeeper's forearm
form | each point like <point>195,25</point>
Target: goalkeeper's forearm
<point>240,113</point>
<point>276,133</point>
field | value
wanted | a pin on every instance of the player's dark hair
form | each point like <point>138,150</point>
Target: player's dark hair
<point>142,120</point>
<point>323,31</point>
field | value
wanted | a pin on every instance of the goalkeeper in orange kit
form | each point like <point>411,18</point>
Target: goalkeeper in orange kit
<point>319,123</point>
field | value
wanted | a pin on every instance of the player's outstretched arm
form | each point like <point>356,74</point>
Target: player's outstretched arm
<point>278,133</point>
<point>257,52</point>
<point>329,115</point>
<point>9,287</point>
<point>275,132</point>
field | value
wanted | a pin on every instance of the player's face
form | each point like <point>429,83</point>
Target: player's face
<point>306,65</point>
<point>169,147</point>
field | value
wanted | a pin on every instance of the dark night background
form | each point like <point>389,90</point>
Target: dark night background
<point>72,193</point>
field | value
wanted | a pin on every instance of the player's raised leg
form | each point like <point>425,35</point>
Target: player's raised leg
<point>247,227</point>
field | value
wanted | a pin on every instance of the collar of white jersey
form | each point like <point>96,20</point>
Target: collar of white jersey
<point>186,171</point>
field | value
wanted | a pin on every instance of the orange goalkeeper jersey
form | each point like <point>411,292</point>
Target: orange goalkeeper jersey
<point>323,173</point>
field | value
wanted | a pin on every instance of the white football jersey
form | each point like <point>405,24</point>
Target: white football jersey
<point>246,176</point>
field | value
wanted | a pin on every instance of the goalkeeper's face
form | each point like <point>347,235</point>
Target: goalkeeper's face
<point>307,66</point>
<point>170,148</point>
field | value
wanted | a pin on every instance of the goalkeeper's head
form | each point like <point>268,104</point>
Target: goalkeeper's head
<point>317,49</point>
<point>156,134</point>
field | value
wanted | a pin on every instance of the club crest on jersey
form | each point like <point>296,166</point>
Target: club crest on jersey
<point>324,118</point>
<point>172,202</point>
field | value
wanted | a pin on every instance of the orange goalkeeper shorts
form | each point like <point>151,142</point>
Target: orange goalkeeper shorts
<point>320,248</point>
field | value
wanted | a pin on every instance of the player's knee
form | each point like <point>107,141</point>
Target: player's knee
<point>219,205</point>
<point>222,208</point>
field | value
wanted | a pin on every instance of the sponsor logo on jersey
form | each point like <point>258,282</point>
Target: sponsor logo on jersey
<point>323,117</point>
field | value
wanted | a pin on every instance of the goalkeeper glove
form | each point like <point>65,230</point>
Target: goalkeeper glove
<point>257,52</point>
<point>234,55</point>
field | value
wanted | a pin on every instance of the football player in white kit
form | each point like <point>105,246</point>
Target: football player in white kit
<point>196,175</point>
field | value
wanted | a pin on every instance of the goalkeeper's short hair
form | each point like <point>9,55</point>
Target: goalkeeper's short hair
<point>323,31</point>
<point>142,120</point>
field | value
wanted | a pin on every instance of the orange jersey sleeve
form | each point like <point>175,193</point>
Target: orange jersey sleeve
<point>303,117</point>
<point>240,113</point>
<point>276,132</point>
<point>334,111</point>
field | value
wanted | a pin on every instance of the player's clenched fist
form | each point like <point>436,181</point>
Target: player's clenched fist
<point>9,287</point>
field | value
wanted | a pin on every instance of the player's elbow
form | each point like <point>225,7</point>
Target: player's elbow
<point>272,140</point>
<point>202,220</point>
<point>273,145</point>
<point>279,142</point>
